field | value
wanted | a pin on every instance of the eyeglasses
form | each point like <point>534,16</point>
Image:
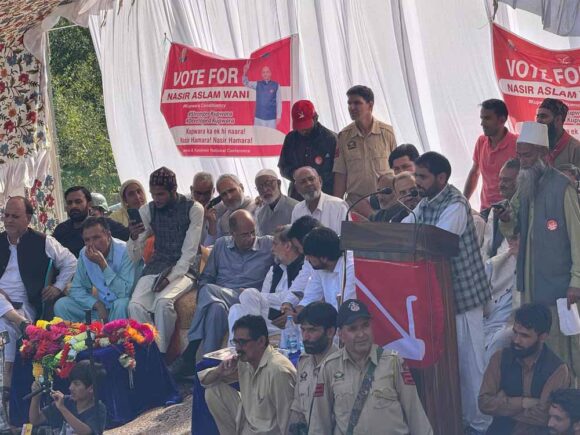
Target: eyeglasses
<point>241,342</point>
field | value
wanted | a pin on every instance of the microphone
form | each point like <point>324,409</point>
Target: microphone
<point>44,389</point>
<point>384,191</point>
<point>412,194</point>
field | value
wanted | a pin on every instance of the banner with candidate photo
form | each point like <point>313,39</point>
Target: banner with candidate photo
<point>527,73</point>
<point>230,107</point>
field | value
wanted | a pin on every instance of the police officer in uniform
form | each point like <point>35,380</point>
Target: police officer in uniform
<point>363,390</point>
<point>318,326</point>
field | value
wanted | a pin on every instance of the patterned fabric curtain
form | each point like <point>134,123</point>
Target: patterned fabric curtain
<point>26,159</point>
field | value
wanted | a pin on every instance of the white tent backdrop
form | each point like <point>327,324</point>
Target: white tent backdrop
<point>429,64</point>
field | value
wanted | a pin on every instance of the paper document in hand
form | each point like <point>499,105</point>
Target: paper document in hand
<point>569,318</point>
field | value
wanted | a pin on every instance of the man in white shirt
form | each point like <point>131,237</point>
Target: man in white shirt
<point>500,256</point>
<point>278,285</point>
<point>176,223</point>
<point>444,206</point>
<point>27,259</point>
<point>329,210</point>
<point>276,208</point>
<point>322,251</point>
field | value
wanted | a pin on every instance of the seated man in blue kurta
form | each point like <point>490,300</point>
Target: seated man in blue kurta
<point>103,264</point>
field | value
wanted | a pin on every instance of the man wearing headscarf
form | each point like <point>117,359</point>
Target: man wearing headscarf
<point>176,223</point>
<point>563,148</point>
<point>132,196</point>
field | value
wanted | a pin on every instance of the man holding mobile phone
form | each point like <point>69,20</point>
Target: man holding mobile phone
<point>176,223</point>
<point>202,191</point>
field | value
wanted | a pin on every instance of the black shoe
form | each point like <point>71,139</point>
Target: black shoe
<point>182,369</point>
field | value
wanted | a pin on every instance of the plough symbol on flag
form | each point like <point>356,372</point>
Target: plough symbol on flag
<point>408,346</point>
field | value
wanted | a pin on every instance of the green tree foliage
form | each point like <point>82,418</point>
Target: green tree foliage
<point>84,149</point>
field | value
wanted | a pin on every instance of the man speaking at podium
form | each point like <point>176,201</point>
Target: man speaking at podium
<point>444,206</point>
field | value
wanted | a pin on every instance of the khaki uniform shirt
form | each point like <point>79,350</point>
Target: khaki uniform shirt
<point>529,421</point>
<point>363,158</point>
<point>306,382</point>
<point>391,408</point>
<point>266,394</point>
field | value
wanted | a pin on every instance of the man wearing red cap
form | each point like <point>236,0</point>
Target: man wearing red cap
<point>308,144</point>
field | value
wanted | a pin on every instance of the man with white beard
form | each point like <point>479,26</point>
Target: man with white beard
<point>231,191</point>
<point>329,210</point>
<point>276,208</point>
<point>545,214</point>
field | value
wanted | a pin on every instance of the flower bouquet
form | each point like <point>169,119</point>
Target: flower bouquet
<point>53,345</point>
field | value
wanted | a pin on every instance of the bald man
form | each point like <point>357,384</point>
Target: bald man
<point>25,263</point>
<point>236,262</point>
<point>268,97</point>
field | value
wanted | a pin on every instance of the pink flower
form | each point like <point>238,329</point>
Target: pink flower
<point>43,218</point>
<point>23,78</point>
<point>2,87</point>
<point>31,116</point>
<point>9,126</point>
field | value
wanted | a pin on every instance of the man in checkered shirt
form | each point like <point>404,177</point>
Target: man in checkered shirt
<point>444,206</point>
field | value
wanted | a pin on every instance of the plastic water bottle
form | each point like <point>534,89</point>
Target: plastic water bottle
<point>290,339</point>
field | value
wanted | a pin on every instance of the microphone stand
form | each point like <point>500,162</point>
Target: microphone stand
<point>89,343</point>
<point>412,194</point>
<point>385,191</point>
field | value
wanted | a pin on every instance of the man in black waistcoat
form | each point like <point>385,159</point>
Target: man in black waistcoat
<point>176,224</point>
<point>27,258</point>
<point>78,206</point>
<point>518,382</point>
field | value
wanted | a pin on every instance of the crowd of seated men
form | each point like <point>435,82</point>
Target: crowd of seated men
<point>279,255</point>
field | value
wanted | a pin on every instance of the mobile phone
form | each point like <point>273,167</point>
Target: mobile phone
<point>273,313</point>
<point>499,206</point>
<point>214,202</point>
<point>134,216</point>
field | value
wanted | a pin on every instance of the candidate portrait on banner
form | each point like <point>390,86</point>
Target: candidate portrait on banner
<point>268,98</point>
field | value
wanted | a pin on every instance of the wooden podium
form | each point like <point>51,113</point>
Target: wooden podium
<point>438,385</point>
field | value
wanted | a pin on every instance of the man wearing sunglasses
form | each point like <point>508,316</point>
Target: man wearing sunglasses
<point>266,377</point>
<point>202,191</point>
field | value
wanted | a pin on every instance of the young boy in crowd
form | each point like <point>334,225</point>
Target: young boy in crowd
<point>77,413</point>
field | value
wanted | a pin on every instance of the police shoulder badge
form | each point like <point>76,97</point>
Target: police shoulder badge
<point>353,306</point>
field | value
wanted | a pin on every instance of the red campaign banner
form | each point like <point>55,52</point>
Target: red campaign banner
<point>527,73</point>
<point>230,107</point>
<point>407,308</point>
